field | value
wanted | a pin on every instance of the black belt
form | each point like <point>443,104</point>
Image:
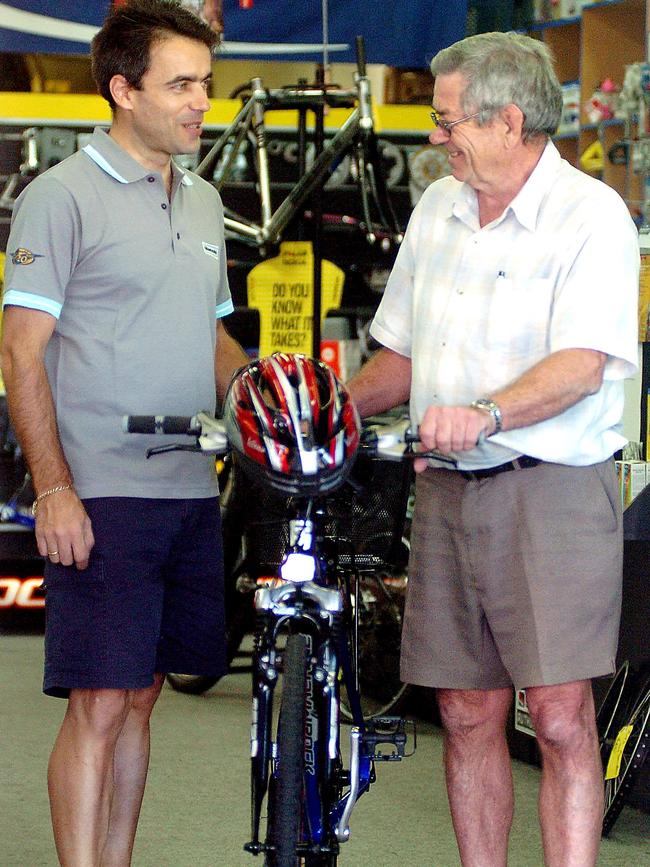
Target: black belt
<point>522,463</point>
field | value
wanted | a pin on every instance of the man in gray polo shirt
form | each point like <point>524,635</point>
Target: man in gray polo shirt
<point>116,275</point>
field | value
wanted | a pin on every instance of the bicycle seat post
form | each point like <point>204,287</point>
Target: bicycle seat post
<point>363,87</point>
<point>259,95</point>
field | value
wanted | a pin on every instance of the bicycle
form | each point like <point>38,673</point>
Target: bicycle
<point>256,533</point>
<point>306,637</point>
<point>623,722</point>
<point>356,136</point>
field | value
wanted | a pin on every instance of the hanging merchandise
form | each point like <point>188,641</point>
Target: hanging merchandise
<point>603,104</point>
<point>593,158</point>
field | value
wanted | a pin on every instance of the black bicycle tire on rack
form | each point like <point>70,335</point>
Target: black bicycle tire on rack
<point>634,755</point>
<point>285,795</point>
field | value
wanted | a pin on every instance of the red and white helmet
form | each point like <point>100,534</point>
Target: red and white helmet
<point>293,423</point>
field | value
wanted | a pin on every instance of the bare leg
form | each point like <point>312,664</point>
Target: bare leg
<point>479,778</point>
<point>571,792</point>
<point>93,770</point>
<point>80,773</point>
<point>130,767</point>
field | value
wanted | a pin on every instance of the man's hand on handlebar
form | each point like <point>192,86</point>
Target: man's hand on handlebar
<point>452,429</point>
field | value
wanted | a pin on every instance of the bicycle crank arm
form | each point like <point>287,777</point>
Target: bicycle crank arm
<point>343,826</point>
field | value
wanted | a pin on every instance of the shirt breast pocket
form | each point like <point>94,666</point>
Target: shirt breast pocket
<point>519,316</point>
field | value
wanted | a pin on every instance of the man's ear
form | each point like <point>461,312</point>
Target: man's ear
<point>121,92</point>
<point>513,118</point>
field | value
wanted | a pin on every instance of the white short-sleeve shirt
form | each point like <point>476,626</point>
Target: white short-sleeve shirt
<point>474,308</point>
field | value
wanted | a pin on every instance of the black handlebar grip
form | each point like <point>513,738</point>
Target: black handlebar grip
<point>361,55</point>
<point>140,424</point>
<point>161,424</point>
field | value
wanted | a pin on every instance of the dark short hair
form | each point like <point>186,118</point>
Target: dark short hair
<point>123,45</point>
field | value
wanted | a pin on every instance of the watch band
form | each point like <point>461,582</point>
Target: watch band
<point>489,406</point>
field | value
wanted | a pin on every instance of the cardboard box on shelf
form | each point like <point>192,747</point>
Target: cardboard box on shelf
<point>407,86</point>
<point>343,356</point>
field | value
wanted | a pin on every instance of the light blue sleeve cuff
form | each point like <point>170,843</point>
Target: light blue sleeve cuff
<point>225,308</point>
<point>13,297</point>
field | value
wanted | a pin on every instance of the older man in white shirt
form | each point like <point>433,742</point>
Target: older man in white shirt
<point>509,320</point>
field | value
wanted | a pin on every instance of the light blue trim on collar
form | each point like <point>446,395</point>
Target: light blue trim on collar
<point>187,180</point>
<point>16,298</point>
<point>96,157</point>
<point>225,308</point>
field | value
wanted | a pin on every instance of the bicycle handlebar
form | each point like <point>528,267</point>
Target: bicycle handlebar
<point>209,431</point>
<point>390,442</point>
<point>162,424</point>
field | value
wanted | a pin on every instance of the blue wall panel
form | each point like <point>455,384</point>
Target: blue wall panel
<point>397,32</point>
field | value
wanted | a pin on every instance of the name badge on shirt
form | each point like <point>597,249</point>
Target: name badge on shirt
<point>211,250</point>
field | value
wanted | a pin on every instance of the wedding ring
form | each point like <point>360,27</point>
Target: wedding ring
<point>52,553</point>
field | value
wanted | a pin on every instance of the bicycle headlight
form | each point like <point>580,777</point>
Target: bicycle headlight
<point>298,568</point>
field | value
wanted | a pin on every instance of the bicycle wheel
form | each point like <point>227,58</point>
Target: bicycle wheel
<point>285,793</point>
<point>614,707</point>
<point>381,612</point>
<point>624,756</point>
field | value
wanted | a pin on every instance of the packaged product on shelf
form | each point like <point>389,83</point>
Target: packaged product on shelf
<point>632,478</point>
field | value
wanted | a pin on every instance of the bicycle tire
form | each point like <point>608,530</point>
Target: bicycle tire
<point>614,706</point>
<point>284,803</point>
<point>382,692</point>
<point>632,739</point>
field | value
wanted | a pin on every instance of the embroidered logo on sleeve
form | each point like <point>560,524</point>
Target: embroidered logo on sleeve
<point>23,256</point>
<point>211,250</point>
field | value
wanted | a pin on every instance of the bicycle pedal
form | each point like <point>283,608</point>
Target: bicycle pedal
<point>385,730</point>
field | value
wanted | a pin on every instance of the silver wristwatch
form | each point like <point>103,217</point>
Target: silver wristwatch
<point>489,406</point>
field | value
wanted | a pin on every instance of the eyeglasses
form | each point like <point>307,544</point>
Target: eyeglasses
<point>446,125</point>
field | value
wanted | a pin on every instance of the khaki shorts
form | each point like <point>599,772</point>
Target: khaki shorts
<point>514,579</point>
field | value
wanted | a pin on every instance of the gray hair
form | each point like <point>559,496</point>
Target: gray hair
<point>505,68</point>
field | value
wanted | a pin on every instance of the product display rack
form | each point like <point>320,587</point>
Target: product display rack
<point>607,37</point>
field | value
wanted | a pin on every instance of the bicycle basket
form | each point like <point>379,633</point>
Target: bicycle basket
<point>367,514</point>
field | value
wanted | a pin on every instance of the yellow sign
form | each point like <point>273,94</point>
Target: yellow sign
<point>281,289</point>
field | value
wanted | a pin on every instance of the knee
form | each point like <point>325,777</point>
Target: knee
<point>100,713</point>
<point>143,700</point>
<point>470,713</point>
<point>564,720</point>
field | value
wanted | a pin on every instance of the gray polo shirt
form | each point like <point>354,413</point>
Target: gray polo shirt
<point>136,284</point>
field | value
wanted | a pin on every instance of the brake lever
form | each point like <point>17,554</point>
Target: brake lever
<point>212,439</point>
<point>174,447</point>
<point>395,442</point>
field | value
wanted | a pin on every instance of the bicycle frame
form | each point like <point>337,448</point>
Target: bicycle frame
<point>320,609</point>
<point>356,133</point>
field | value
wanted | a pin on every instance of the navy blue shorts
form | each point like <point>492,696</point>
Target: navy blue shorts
<point>151,599</point>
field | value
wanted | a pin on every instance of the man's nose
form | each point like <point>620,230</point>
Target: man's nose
<point>438,135</point>
<point>200,101</point>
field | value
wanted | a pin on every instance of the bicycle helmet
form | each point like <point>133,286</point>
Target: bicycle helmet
<point>293,424</point>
